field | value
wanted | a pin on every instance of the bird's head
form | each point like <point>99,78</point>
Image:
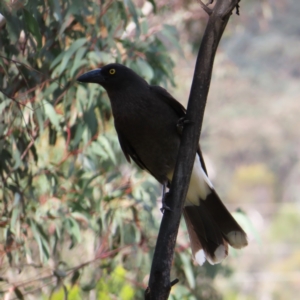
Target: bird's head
<point>112,77</point>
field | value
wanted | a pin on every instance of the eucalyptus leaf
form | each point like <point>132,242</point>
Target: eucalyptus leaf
<point>52,115</point>
<point>187,268</point>
<point>18,293</point>
<point>90,119</point>
<point>105,143</point>
<point>33,27</point>
<point>69,53</point>
<point>16,211</point>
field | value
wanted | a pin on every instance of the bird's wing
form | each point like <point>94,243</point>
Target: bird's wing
<point>173,103</point>
<point>129,151</point>
<point>179,109</point>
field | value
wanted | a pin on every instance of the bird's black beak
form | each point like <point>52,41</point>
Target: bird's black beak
<point>92,76</point>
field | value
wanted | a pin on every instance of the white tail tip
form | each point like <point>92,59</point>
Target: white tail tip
<point>237,239</point>
<point>200,257</point>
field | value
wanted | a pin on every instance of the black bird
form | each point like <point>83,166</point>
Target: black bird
<point>146,120</point>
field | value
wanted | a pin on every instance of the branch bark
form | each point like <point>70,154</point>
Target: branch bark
<point>159,285</point>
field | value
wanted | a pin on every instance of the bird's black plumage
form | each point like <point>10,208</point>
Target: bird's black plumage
<point>146,119</point>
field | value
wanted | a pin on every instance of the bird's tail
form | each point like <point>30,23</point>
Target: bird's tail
<point>211,228</point>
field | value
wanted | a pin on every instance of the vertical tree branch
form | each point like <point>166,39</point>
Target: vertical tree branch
<point>159,283</point>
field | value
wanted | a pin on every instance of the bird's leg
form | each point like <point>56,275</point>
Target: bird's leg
<point>181,123</point>
<point>165,195</point>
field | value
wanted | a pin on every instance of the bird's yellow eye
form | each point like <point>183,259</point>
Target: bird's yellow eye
<point>112,71</point>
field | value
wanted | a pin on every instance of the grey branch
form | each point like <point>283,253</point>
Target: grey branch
<point>159,285</point>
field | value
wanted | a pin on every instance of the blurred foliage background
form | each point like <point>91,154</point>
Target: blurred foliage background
<point>76,218</point>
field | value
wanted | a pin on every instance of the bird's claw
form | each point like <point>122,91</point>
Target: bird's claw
<point>181,123</point>
<point>164,204</point>
<point>164,208</point>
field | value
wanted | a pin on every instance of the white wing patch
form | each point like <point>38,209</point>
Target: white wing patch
<point>200,185</point>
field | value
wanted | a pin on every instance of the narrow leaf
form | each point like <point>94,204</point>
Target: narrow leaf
<point>33,27</point>
<point>52,115</point>
<point>68,54</point>
<point>18,293</point>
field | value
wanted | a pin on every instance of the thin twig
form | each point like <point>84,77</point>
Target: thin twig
<point>205,7</point>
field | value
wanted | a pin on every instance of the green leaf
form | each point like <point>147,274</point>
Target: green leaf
<point>171,34</point>
<point>74,231</point>
<point>78,61</point>
<point>104,142</point>
<point>90,119</point>
<point>99,57</point>
<point>97,149</point>
<point>13,25</point>
<point>37,237</point>
<point>18,293</point>
<point>145,69</point>
<point>39,115</point>
<point>43,246</point>
<point>79,217</point>
<point>33,27</point>
<point>122,12</point>
<point>187,268</point>
<point>57,9</point>
<point>75,277</point>
<point>78,129</point>
<point>52,135</point>
<point>144,27</point>
<point>34,153</point>
<point>68,54</point>
<point>134,14</point>
<point>57,59</point>
<point>52,115</point>
<point>16,211</point>
<point>17,158</point>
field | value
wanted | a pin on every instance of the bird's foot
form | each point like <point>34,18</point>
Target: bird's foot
<point>181,123</point>
<point>164,203</point>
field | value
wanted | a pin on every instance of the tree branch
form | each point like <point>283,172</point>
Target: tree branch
<point>159,282</point>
